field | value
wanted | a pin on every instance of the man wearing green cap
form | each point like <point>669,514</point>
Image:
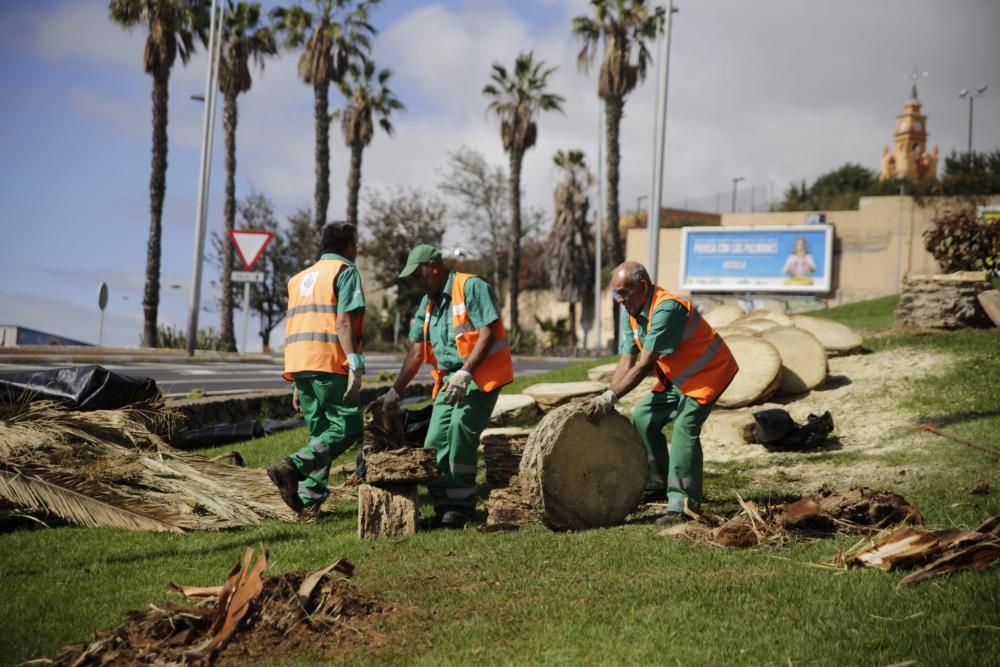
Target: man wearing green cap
<point>458,331</point>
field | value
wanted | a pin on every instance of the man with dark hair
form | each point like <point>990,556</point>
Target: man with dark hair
<point>664,334</point>
<point>323,335</point>
<point>458,331</point>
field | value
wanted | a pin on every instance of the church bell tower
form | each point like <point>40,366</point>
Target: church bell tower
<point>909,156</point>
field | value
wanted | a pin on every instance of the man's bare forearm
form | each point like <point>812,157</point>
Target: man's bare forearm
<point>411,364</point>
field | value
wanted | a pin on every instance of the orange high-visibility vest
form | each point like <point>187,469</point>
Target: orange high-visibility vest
<point>702,365</point>
<point>496,369</point>
<point>311,340</point>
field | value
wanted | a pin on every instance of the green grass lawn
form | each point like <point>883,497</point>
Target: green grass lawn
<point>622,595</point>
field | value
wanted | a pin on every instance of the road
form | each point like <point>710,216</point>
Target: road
<point>178,379</point>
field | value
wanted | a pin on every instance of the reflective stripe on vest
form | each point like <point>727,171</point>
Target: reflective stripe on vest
<point>702,365</point>
<point>496,369</point>
<point>311,339</point>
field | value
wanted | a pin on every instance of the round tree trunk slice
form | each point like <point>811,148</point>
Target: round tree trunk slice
<point>759,375</point>
<point>764,314</point>
<point>722,315</point>
<point>582,475</point>
<point>734,330</point>
<point>552,394</point>
<point>514,410</point>
<point>803,358</point>
<point>758,325</point>
<point>837,338</point>
<point>602,373</point>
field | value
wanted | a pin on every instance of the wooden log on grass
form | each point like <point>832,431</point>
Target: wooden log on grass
<point>837,338</point>
<point>510,507</point>
<point>387,511</point>
<point>803,358</point>
<point>577,474</point>
<point>413,465</point>
<point>723,315</point>
<point>502,450</point>
<point>553,394</point>
<point>760,372</point>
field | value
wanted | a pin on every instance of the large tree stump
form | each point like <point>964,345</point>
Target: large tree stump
<point>759,375</point>
<point>577,474</point>
<point>413,465</point>
<point>803,358</point>
<point>514,410</point>
<point>602,373</point>
<point>502,450</point>
<point>553,394</point>
<point>945,301</point>
<point>837,338</point>
<point>387,512</point>
<point>510,507</point>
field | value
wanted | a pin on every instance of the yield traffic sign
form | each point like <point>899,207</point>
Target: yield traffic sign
<point>250,244</point>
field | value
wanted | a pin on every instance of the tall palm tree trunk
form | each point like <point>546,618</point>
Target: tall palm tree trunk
<point>515,237</point>
<point>320,111</point>
<point>354,183</point>
<point>613,107</point>
<point>572,324</point>
<point>157,192</point>
<point>230,117</point>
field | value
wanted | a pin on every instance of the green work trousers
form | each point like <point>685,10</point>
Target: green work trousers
<point>681,470</point>
<point>454,433</point>
<point>333,427</point>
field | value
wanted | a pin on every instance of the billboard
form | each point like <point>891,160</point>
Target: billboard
<point>757,259</point>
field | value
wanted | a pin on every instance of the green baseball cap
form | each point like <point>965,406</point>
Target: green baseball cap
<point>420,254</point>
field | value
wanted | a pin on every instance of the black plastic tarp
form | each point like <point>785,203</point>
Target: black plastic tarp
<point>77,387</point>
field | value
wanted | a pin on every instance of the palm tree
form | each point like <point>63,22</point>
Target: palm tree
<point>571,263</point>
<point>363,102</point>
<point>624,27</point>
<point>516,99</point>
<point>172,26</point>
<point>334,35</point>
<point>244,41</point>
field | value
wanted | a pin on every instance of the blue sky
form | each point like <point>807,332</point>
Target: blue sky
<point>775,91</point>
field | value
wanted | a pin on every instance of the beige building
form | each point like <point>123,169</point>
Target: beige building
<point>909,156</point>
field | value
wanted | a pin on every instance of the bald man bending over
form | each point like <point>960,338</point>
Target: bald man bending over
<point>664,334</point>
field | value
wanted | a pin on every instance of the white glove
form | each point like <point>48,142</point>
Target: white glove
<point>455,388</point>
<point>600,406</point>
<point>388,400</point>
<point>353,385</point>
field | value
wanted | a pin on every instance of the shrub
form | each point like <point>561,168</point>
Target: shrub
<point>959,241</point>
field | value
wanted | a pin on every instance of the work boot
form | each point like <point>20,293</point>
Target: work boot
<point>671,519</point>
<point>287,478</point>
<point>309,514</point>
<point>652,495</point>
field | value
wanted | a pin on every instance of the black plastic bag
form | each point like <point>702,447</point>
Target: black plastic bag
<point>772,430</point>
<point>82,388</point>
<point>416,423</point>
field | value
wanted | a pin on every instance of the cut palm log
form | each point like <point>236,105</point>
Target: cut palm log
<point>758,325</point>
<point>502,450</point>
<point>577,474</point>
<point>602,373</point>
<point>413,465</point>
<point>990,301</point>
<point>387,511</point>
<point>734,330</point>
<point>514,410</point>
<point>770,315</point>
<point>722,315</point>
<point>553,394</point>
<point>510,507</point>
<point>837,338</point>
<point>803,358</point>
<point>759,375</point>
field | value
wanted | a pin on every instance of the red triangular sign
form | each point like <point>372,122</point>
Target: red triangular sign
<point>250,244</point>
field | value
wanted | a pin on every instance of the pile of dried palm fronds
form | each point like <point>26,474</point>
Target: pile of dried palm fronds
<point>111,468</point>
<point>250,617</point>
<point>935,552</point>
<point>858,511</point>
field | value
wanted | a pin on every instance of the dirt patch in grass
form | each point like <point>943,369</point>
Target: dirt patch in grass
<point>862,393</point>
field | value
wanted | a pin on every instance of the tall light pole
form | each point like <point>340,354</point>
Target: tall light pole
<point>597,233</point>
<point>638,203</point>
<point>735,182</point>
<point>659,141</point>
<point>965,92</point>
<point>208,125</point>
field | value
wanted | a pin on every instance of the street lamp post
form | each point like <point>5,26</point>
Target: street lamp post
<point>659,141</point>
<point>638,203</point>
<point>965,92</point>
<point>208,124</point>
<point>735,182</point>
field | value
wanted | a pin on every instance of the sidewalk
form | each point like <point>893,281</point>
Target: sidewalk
<point>27,354</point>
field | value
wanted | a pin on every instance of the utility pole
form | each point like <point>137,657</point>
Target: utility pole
<point>208,125</point>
